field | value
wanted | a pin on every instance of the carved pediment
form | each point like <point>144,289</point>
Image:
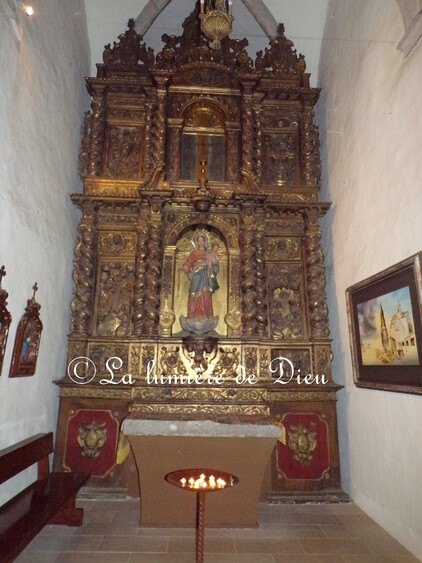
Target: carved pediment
<point>281,59</point>
<point>128,54</point>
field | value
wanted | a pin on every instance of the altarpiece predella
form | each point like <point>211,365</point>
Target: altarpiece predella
<point>198,271</point>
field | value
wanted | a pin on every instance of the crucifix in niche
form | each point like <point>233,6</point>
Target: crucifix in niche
<point>203,140</point>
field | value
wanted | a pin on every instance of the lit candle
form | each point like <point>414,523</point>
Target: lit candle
<point>202,6</point>
<point>183,481</point>
<point>191,482</point>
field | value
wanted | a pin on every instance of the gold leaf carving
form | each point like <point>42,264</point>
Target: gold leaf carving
<point>91,438</point>
<point>117,243</point>
<point>302,441</point>
<point>282,248</point>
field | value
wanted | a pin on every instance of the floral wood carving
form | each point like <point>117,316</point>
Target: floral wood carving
<point>124,153</point>
<point>284,287</point>
<point>281,58</point>
<point>91,438</point>
<point>302,441</point>
<point>115,299</point>
<point>128,53</point>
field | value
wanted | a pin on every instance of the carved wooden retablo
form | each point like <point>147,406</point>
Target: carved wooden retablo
<point>198,271</point>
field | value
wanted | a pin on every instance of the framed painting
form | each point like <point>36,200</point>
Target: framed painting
<point>385,324</point>
<point>27,341</point>
<point>5,319</point>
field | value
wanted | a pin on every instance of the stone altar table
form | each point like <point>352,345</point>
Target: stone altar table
<point>163,446</point>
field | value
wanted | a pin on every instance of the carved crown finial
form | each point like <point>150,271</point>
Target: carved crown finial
<point>281,30</point>
<point>129,52</point>
<point>3,293</point>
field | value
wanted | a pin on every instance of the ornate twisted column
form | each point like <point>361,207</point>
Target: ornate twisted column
<point>258,142</point>
<point>311,165</point>
<point>146,157</point>
<point>97,123</point>
<point>232,156</point>
<point>248,269</point>
<point>160,122</point>
<point>318,310</point>
<point>247,130</point>
<point>84,273</point>
<point>154,265</point>
<point>140,275</point>
<point>261,284</point>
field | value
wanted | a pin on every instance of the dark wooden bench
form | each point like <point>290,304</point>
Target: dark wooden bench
<point>49,500</point>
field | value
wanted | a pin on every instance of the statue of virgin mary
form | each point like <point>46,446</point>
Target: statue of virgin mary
<point>201,267</point>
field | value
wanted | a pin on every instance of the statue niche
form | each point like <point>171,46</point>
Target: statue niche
<point>200,283</point>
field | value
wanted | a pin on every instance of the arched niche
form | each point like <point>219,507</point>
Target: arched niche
<point>178,242</point>
<point>186,244</point>
<point>203,140</point>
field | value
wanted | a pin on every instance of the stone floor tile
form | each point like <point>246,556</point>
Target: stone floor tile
<point>104,516</point>
<point>162,558</point>
<point>335,547</point>
<point>239,558</point>
<point>128,517</point>
<point>380,559</point>
<point>302,518</point>
<point>94,557</point>
<point>170,532</point>
<point>211,545</point>
<point>280,558</point>
<point>134,544</point>
<point>341,531</point>
<point>51,530</point>
<point>267,545</point>
<point>345,508</point>
<point>333,533</point>
<point>41,557</point>
<point>108,529</point>
<point>46,544</point>
<point>387,547</point>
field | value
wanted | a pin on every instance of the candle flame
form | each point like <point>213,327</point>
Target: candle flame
<point>203,482</point>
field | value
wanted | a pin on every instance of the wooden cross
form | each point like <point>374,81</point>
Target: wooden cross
<point>35,288</point>
<point>2,273</point>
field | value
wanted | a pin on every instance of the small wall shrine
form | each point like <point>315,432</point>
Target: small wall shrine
<point>198,270</point>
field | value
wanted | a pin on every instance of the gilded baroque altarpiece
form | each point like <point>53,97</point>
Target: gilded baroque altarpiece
<point>198,253</point>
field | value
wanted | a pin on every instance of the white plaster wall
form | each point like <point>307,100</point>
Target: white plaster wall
<point>42,101</point>
<point>370,116</point>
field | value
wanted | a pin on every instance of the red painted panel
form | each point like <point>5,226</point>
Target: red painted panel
<point>91,442</point>
<point>305,454</point>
